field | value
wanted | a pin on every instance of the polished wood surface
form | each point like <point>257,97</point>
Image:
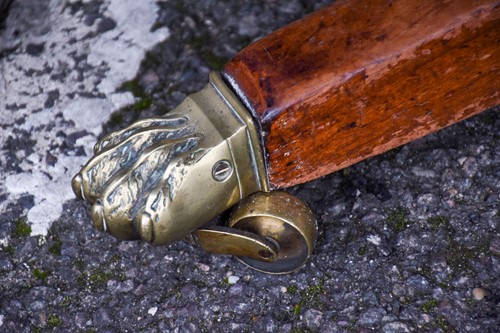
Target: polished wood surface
<point>358,78</point>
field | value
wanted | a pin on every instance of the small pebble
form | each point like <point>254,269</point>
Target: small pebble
<point>495,246</point>
<point>374,239</point>
<point>371,316</point>
<point>203,267</point>
<point>153,310</point>
<point>312,318</point>
<point>479,294</point>
<point>395,327</point>
<point>233,279</point>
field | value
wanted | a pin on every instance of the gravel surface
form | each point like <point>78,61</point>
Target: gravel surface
<point>409,241</point>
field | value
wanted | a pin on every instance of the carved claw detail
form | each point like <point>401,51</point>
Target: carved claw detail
<point>162,178</point>
<point>130,179</point>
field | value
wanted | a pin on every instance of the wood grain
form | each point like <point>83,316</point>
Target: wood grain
<point>358,78</point>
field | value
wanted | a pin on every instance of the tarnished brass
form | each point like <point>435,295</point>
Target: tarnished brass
<point>162,178</point>
<point>280,218</point>
<point>236,242</point>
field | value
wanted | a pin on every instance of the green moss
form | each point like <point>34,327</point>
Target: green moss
<point>429,305</point>
<point>296,309</point>
<point>143,100</point>
<point>95,280</point>
<point>142,104</point>
<point>458,256</point>
<point>54,321</point>
<point>81,280</point>
<point>312,293</point>
<point>214,62</point>
<point>9,249</point>
<point>490,118</point>
<point>397,220</point>
<point>200,43</point>
<point>151,60</point>
<point>179,6</point>
<point>116,258</point>
<point>80,264</point>
<point>391,154</point>
<point>426,271</point>
<point>243,41</point>
<point>225,282</point>
<point>122,276</point>
<point>309,6</point>
<point>134,87</point>
<point>55,248</point>
<point>116,118</point>
<point>437,222</point>
<point>443,285</point>
<point>39,274</point>
<point>292,290</point>
<point>36,329</point>
<point>310,298</point>
<point>67,301</point>
<point>443,324</point>
<point>363,250</point>
<point>100,278</point>
<point>197,42</point>
<point>21,228</point>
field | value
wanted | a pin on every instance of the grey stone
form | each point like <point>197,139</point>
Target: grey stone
<point>417,284</point>
<point>270,325</point>
<point>427,199</point>
<point>102,318</point>
<point>27,201</point>
<point>189,291</point>
<point>106,24</point>
<point>395,327</point>
<point>38,305</point>
<point>35,49</point>
<point>313,318</point>
<point>5,264</point>
<point>469,165</point>
<point>494,246</point>
<point>80,320</point>
<point>125,286</point>
<point>371,316</point>
<point>399,289</point>
<point>370,299</point>
<point>425,173</point>
<point>236,289</point>
<point>336,209</point>
<point>248,27</point>
<point>285,328</point>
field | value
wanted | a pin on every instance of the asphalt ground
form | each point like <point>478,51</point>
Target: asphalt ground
<point>408,240</point>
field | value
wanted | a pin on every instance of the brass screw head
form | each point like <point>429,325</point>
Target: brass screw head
<point>222,170</point>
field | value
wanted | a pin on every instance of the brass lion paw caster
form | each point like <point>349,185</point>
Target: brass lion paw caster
<point>163,178</point>
<point>321,103</point>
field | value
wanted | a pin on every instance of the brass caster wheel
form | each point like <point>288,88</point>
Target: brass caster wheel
<point>284,221</point>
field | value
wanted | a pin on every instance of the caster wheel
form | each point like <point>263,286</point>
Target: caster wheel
<point>282,219</point>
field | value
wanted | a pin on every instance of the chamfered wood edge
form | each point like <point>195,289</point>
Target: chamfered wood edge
<point>327,121</point>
